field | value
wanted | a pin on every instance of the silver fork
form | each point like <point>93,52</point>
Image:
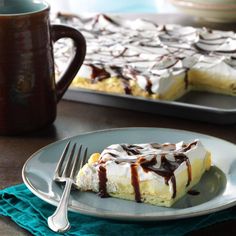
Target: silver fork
<point>66,171</point>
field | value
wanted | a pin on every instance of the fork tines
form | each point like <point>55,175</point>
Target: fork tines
<point>69,163</point>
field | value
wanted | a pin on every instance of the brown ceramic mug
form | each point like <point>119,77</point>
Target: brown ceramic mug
<point>28,91</point>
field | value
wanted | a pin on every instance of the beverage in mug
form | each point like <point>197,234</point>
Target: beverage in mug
<point>28,91</point>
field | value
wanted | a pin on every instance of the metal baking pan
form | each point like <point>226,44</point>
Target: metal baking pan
<point>201,106</point>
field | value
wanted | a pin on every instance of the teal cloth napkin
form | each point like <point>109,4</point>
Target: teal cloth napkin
<point>31,213</point>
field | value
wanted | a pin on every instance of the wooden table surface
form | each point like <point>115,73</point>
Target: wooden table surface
<point>75,118</point>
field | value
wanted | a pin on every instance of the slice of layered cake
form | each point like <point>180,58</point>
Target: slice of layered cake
<point>153,173</point>
<point>142,58</point>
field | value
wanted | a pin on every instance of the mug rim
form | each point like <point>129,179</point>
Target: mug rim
<point>46,7</point>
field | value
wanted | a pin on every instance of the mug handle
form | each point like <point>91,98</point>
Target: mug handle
<point>62,31</point>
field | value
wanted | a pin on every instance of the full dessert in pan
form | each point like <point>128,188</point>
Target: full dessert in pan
<point>153,173</point>
<point>142,58</point>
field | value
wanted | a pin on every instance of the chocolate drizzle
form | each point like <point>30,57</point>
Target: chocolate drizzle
<point>120,53</point>
<point>165,167</point>
<point>135,182</point>
<point>189,146</point>
<point>180,157</point>
<point>99,16</point>
<point>98,74</point>
<point>110,19</point>
<point>125,79</point>
<point>149,86</point>
<point>113,154</point>
<point>193,192</point>
<point>131,149</point>
<point>126,86</point>
<point>141,44</point>
<point>166,170</point>
<point>133,74</point>
<point>102,175</point>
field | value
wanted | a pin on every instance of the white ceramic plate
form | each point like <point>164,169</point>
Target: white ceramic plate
<point>215,11</point>
<point>217,187</point>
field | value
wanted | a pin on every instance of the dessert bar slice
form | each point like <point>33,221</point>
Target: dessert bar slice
<point>153,173</point>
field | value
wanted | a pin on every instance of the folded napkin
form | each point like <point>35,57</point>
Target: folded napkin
<point>31,213</point>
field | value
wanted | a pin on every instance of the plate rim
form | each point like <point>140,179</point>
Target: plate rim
<point>122,216</point>
<point>205,6</point>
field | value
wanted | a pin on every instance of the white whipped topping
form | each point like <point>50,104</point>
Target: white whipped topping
<point>158,53</point>
<point>117,162</point>
<point>147,151</point>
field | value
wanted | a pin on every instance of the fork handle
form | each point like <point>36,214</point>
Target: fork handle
<point>58,222</point>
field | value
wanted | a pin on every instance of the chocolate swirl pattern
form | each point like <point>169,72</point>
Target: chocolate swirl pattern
<point>161,173</point>
<point>162,159</point>
<point>151,60</point>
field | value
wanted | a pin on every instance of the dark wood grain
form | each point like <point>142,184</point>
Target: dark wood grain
<point>74,118</point>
